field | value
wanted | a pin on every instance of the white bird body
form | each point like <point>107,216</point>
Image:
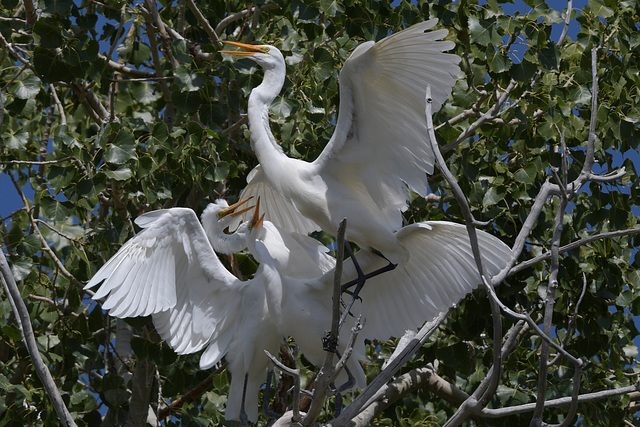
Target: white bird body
<point>169,270</point>
<point>379,149</point>
<point>439,272</point>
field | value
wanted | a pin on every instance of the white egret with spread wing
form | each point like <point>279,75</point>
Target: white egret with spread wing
<point>379,149</point>
<point>170,271</point>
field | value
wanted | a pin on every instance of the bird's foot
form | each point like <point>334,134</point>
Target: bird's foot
<point>329,342</point>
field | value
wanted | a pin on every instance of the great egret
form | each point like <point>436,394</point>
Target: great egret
<point>217,220</point>
<point>439,273</point>
<point>169,270</point>
<point>379,149</point>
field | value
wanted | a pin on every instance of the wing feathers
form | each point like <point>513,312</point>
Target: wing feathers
<point>277,208</point>
<point>170,271</point>
<point>381,131</point>
<point>440,272</point>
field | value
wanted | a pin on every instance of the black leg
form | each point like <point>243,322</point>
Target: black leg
<point>244,420</point>
<point>265,399</point>
<point>339,404</point>
<point>359,282</point>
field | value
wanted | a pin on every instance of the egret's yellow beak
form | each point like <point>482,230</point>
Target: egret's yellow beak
<point>231,210</point>
<point>250,49</point>
<point>257,220</point>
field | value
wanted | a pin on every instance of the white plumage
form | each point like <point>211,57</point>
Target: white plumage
<point>169,270</point>
<point>379,149</point>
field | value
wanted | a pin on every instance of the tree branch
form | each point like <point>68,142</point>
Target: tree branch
<point>26,330</point>
<point>213,34</point>
<point>327,371</point>
<point>607,235</point>
<point>370,393</point>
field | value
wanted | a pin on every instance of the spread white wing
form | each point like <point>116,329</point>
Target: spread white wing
<point>381,135</point>
<point>170,271</point>
<point>439,273</point>
<point>277,208</point>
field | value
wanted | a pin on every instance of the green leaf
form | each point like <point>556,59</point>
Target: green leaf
<point>16,140</point>
<point>26,88</point>
<point>625,298</point>
<point>144,92</point>
<point>630,351</point>
<point>55,209</point>
<point>600,9</point>
<point>580,95</point>
<point>303,12</point>
<point>60,177</point>
<point>63,135</point>
<point>323,66</point>
<point>550,58</point>
<point>186,102</point>
<point>494,195</point>
<point>498,63</point>
<point>123,148</point>
<point>47,342</point>
<point>221,171</point>
<point>189,80</point>
<point>47,33</point>
<point>121,174</point>
<point>331,7</point>
<point>32,244</point>
<point>483,32</point>
<point>180,49</point>
<point>283,107</point>
<point>60,7</point>
<point>50,66</point>
<point>12,332</point>
<point>21,267</point>
<point>135,52</point>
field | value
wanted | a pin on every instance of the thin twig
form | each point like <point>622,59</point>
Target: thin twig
<point>295,373</point>
<point>571,246</point>
<point>239,15</point>
<point>35,162</point>
<point>567,21</point>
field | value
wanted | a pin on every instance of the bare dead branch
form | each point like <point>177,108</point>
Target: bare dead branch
<point>567,21</point>
<point>26,330</point>
<point>152,12</point>
<point>491,113</point>
<point>35,162</point>
<point>587,397</point>
<point>550,297</point>
<point>124,69</point>
<point>45,245</point>
<point>191,395</point>
<point>368,395</point>
<point>31,9</point>
<point>295,373</point>
<point>571,246</point>
<point>327,371</point>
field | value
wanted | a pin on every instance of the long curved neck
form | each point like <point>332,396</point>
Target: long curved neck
<point>263,143</point>
<point>269,271</point>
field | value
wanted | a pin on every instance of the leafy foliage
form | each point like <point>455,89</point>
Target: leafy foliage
<point>107,115</point>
